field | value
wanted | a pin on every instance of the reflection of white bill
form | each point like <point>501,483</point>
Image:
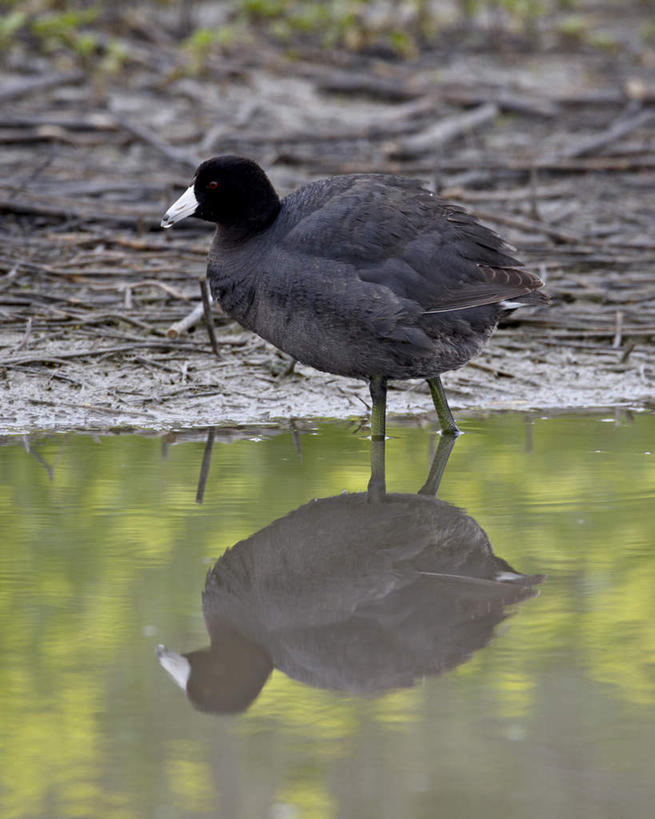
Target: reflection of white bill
<point>177,666</point>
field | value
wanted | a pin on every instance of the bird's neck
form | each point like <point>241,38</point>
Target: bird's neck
<point>239,230</point>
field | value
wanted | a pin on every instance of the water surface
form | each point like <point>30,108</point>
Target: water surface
<point>490,697</point>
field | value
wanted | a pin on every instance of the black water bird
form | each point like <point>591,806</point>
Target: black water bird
<point>348,595</point>
<point>354,593</point>
<point>363,275</point>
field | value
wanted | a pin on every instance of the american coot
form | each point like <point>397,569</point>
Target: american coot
<point>364,275</point>
<point>348,595</point>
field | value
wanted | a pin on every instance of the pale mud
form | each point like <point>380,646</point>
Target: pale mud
<point>248,386</point>
<point>592,348</point>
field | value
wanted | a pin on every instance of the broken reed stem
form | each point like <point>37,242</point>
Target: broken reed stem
<point>209,319</point>
<point>618,334</point>
<point>190,320</point>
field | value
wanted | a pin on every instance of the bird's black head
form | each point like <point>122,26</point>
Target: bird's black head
<point>230,191</point>
<point>225,678</point>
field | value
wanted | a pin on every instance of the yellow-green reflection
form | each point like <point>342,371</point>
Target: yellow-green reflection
<point>108,556</point>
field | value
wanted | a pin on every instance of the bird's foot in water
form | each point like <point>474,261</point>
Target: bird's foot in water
<point>448,429</point>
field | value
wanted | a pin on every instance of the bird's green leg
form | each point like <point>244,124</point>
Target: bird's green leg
<point>378,387</point>
<point>446,420</point>
<point>438,465</point>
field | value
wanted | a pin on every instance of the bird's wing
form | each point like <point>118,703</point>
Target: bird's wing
<point>392,233</point>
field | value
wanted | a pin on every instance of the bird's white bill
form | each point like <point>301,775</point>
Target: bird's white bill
<point>177,666</point>
<point>183,207</point>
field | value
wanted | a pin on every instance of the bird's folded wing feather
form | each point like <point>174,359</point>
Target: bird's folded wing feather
<point>397,235</point>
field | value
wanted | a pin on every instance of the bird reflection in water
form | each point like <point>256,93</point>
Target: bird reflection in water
<point>359,593</point>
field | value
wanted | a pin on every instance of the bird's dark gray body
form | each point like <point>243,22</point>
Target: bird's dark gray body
<point>368,275</point>
<point>351,595</point>
<point>365,275</point>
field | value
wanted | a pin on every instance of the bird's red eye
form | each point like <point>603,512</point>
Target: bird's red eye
<point>212,185</point>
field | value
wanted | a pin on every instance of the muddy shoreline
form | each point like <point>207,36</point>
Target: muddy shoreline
<point>241,389</point>
<point>554,149</point>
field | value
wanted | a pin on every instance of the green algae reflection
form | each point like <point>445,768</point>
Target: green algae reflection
<point>104,554</point>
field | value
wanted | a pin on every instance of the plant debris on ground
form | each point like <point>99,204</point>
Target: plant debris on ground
<point>552,144</point>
